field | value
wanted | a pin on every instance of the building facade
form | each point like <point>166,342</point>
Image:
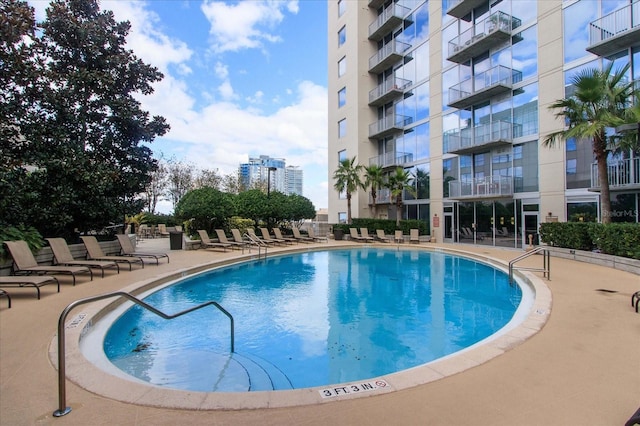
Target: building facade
<point>458,92</point>
<point>271,173</point>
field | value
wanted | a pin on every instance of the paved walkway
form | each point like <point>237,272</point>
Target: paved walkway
<point>582,368</point>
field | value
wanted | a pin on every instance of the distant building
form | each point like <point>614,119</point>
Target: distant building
<point>272,172</point>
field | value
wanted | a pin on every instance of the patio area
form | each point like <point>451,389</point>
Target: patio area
<point>582,367</point>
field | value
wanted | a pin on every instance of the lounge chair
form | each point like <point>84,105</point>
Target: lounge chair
<point>364,232</point>
<point>129,250</point>
<point>382,237</point>
<point>94,252</point>
<point>25,263</point>
<point>414,236</point>
<point>238,238</point>
<point>267,237</point>
<point>62,256</point>
<point>298,236</point>
<point>398,236</point>
<point>163,231</point>
<point>207,242</point>
<point>222,237</point>
<point>312,234</point>
<point>33,281</point>
<point>254,236</point>
<point>278,233</point>
<point>356,237</point>
<point>5,294</point>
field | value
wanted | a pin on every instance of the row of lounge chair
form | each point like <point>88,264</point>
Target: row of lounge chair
<point>238,241</point>
<point>363,236</point>
<point>27,273</point>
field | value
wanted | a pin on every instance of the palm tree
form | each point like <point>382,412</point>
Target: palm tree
<point>347,180</point>
<point>374,179</point>
<point>598,103</point>
<point>399,181</point>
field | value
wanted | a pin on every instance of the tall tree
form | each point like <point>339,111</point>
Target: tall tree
<point>374,180</point>
<point>80,127</point>
<point>598,103</point>
<point>398,182</point>
<point>179,180</point>
<point>157,186</point>
<point>347,179</point>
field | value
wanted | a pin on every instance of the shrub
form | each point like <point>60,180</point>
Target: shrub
<point>29,234</point>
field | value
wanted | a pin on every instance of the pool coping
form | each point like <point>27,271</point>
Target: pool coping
<point>90,377</point>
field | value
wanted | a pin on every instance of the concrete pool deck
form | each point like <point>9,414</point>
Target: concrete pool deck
<point>582,367</point>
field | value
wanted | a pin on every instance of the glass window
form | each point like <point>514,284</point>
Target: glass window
<point>342,97</point>
<point>576,18</point>
<point>525,168</point>
<point>342,217</point>
<point>342,66</point>
<point>342,155</point>
<point>342,6</point>
<point>422,141</point>
<point>525,111</point>
<point>342,128</point>
<point>422,174</point>
<point>421,62</point>
<point>525,53</point>
<point>450,169</point>
<point>571,166</point>
<point>582,212</point>
<point>342,36</point>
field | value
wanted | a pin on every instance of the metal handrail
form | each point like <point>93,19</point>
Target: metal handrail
<point>546,263</point>
<point>62,408</point>
<point>257,241</point>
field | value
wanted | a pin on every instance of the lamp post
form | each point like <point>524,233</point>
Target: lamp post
<point>269,170</point>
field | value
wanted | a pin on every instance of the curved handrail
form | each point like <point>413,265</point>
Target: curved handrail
<point>62,408</point>
<point>257,241</point>
<point>546,267</point>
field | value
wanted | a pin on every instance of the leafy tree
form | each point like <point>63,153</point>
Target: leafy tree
<point>207,177</point>
<point>207,207</point>
<point>299,208</point>
<point>347,180</point>
<point>598,103</point>
<point>180,180</point>
<point>373,179</point>
<point>252,204</point>
<point>398,182</point>
<point>157,186</point>
<point>71,126</point>
<point>231,184</point>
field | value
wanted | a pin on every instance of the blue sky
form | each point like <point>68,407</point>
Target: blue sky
<point>241,79</point>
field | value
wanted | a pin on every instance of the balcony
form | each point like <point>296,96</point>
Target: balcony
<point>616,31</point>
<point>390,54</point>
<point>375,4</point>
<point>489,187</point>
<point>388,126</point>
<point>462,8</point>
<point>494,30</point>
<point>479,138</point>
<point>383,196</point>
<point>390,89</point>
<point>483,86</point>
<point>391,159</point>
<point>387,21</point>
<point>623,175</point>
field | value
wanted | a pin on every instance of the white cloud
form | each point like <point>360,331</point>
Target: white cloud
<point>244,25</point>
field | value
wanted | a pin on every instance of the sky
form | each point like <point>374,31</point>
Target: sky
<point>241,79</point>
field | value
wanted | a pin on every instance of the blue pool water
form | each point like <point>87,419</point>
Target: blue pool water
<point>313,319</point>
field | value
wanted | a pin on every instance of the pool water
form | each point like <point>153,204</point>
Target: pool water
<point>313,319</point>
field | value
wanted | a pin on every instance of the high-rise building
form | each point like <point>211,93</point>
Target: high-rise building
<point>273,173</point>
<point>457,92</point>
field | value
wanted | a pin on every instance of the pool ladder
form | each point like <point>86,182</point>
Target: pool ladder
<point>546,263</point>
<point>62,408</point>
<point>257,241</point>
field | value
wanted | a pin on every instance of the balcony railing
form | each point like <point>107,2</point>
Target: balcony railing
<point>387,56</point>
<point>383,196</point>
<point>388,125</point>
<point>624,174</point>
<point>462,8</point>
<point>391,88</point>
<point>389,19</point>
<point>391,159</point>
<point>483,86</point>
<point>481,37</point>
<point>484,136</point>
<point>486,187</point>
<point>616,31</point>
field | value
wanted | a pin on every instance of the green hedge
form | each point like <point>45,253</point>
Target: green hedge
<point>619,239</point>
<point>388,225</point>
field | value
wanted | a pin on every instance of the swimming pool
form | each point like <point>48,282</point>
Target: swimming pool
<point>335,316</point>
